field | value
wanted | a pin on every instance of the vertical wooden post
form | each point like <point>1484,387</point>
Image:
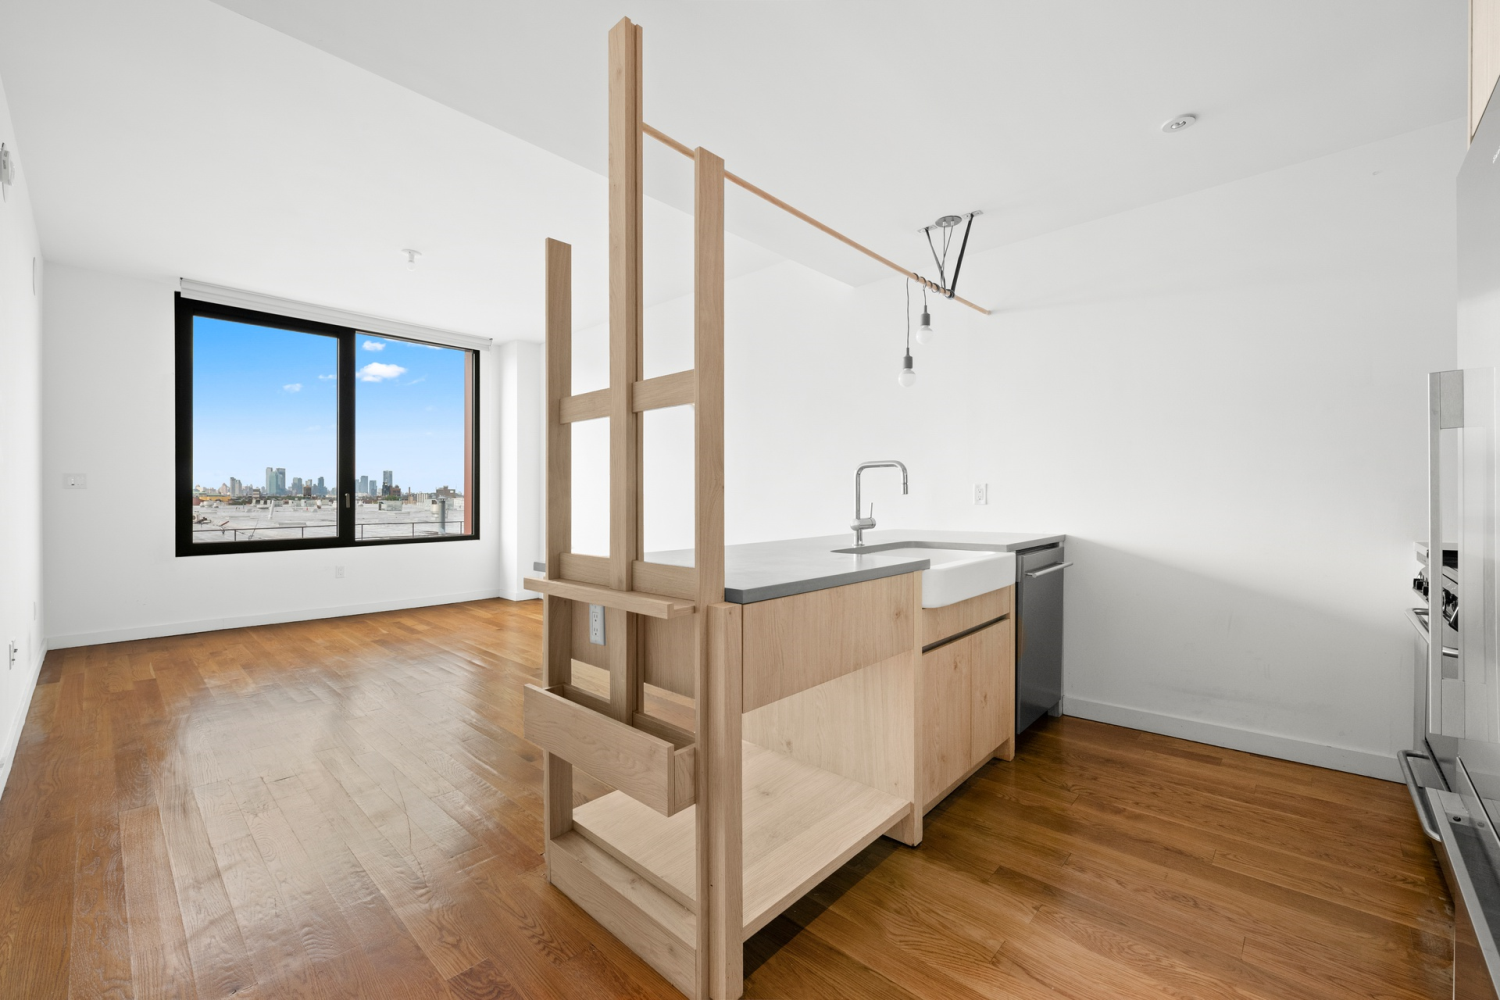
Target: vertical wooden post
<point>708,375</point>
<point>721,921</point>
<point>909,830</point>
<point>625,309</point>
<point>720,869</point>
<point>557,613</point>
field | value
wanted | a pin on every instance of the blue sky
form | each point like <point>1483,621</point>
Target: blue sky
<point>263,396</point>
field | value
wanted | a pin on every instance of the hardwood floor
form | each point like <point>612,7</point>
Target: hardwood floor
<point>346,808</point>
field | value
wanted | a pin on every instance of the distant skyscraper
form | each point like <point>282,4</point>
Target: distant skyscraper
<point>270,481</point>
<point>281,482</point>
<point>321,491</point>
<point>296,486</point>
<point>364,484</point>
<point>385,481</point>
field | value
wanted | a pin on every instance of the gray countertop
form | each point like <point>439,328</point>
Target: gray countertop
<point>762,571</point>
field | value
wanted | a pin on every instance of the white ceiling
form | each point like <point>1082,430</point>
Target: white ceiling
<point>177,137</point>
<point>880,116</point>
<point>174,138</point>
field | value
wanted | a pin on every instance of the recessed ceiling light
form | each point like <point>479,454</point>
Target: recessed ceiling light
<point>1179,123</point>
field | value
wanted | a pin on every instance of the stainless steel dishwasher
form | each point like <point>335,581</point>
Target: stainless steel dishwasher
<point>1039,633</point>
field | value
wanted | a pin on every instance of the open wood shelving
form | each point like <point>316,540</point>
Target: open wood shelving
<point>800,824</point>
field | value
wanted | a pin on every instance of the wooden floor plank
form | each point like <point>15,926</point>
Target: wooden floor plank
<point>159,960</point>
<point>348,808</point>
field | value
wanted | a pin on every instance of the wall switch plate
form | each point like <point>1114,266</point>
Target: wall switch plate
<point>75,481</point>
<point>338,572</point>
<point>596,624</point>
<point>981,493</point>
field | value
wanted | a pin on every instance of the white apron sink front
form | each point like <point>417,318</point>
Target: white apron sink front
<point>955,575</point>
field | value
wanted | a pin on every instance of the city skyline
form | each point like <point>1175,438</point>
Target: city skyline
<point>276,484</point>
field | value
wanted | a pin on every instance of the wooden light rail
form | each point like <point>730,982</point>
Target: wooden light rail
<point>759,192</point>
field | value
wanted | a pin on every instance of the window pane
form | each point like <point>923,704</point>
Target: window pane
<point>265,433</point>
<point>411,443</point>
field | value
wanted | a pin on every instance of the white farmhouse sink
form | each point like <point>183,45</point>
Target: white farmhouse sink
<point>956,574</point>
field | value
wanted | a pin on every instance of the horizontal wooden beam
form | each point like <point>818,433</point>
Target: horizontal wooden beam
<point>659,578</point>
<point>761,193</point>
<point>584,406</point>
<point>632,601</point>
<point>582,569</point>
<point>675,389</point>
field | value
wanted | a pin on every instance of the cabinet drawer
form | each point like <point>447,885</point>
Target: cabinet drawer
<point>940,623</point>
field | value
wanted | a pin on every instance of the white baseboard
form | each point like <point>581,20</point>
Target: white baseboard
<point>272,618</point>
<point>521,595</point>
<point>13,736</point>
<point>1374,765</point>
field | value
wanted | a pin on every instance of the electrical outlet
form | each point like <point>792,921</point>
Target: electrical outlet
<point>75,481</point>
<point>338,572</point>
<point>981,493</point>
<point>596,624</point>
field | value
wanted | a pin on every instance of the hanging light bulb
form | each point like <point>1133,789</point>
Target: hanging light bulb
<point>411,258</point>
<point>924,329</point>
<point>908,377</point>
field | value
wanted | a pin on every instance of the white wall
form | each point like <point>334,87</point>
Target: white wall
<point>111,569</point>
<point>21,606</point>
<point>1219,398</point>
<point>521,403</point>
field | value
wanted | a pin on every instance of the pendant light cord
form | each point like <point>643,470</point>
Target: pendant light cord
<point>908,313</point>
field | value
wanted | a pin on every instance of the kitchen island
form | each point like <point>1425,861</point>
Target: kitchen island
<point>859,709</point>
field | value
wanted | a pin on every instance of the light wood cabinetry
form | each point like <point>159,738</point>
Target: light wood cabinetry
<point>968,704</point>
<point>946,673</point>
<point>992,695</point>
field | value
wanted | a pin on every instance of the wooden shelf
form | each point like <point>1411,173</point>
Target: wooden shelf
<point>653,925</point>
<point>634,601</point>
<point>800,824</point>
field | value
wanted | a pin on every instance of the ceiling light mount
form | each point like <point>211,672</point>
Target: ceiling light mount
<point>411,258</point>
<point>945,226</point>
<point>7,170</point>
<point>1179,123</point>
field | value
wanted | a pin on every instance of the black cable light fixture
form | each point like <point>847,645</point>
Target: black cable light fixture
<point>908,375</point>
<point>945,285</point>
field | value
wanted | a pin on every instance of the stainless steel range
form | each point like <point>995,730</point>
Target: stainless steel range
<point>1453,768</point>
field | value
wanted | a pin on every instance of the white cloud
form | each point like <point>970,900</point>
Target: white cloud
<point>293,387</point>
<point>416,380</point>
<point>373,345</point>
<point>377,372</point>
<point>326,377</point>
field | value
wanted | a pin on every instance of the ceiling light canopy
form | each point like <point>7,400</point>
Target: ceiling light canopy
<point>1179,123</point>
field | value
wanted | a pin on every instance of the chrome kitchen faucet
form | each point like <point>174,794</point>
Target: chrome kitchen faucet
<point>862,524</point>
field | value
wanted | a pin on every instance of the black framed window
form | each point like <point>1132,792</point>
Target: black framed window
<point>295,434</point>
